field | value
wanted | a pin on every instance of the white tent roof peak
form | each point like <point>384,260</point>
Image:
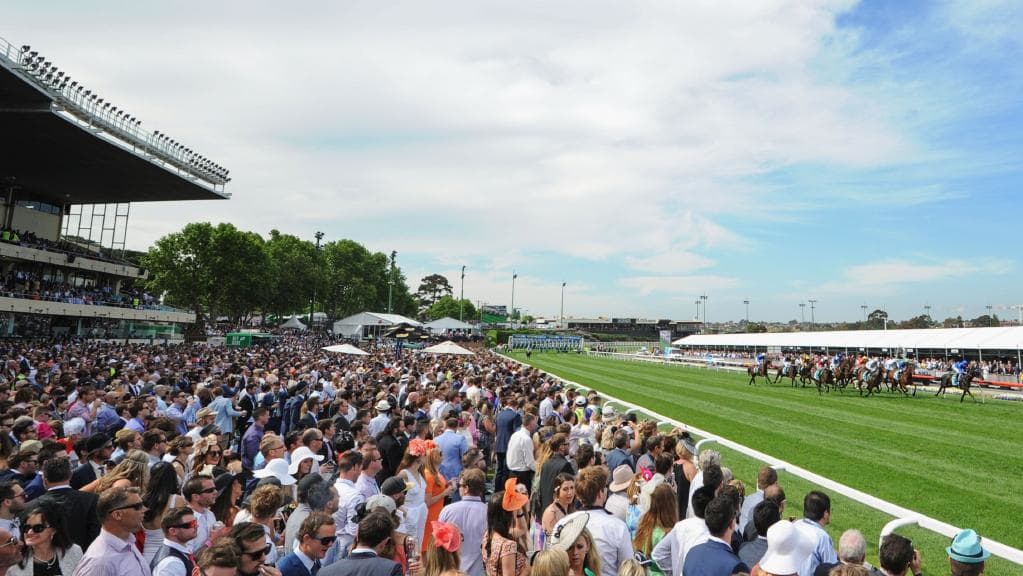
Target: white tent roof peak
<point>446,323</point>
<point>447,347</point>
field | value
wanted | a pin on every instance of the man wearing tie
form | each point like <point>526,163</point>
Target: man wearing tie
<point>375,532</point>
<point>315,537</point>
<point>174,558</point>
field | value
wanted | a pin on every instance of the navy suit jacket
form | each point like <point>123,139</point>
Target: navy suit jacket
<point>84,475</point>
<point>290,565</point>
<point>712,558</point>
<point>362,564</point>
<point>507,422</point>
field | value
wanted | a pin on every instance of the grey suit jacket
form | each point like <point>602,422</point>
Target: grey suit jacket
<point>362,564</point>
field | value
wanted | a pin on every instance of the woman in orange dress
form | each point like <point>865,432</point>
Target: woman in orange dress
<point>437,489</point>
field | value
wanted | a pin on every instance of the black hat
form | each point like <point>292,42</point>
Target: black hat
<point>96,442</point>
<point>223,482</point>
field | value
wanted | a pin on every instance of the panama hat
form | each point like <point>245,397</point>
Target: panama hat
<point>621,478</point>
<point>383,406</point>
<point>788,545</point>
<point>567,531</point>
<point>966,548</point>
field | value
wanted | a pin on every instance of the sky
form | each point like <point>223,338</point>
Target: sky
<point>641,153</point>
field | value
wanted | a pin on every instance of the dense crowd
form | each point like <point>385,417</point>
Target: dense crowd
<point>32,240</point>
<point>287,460</point>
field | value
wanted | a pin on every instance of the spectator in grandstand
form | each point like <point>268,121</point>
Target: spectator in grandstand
<point>852,551</point>
<point>715,556</point>
<point>817,515</point>
<point>966,555</point>
<point>610,534</point>
<point>897,556</point>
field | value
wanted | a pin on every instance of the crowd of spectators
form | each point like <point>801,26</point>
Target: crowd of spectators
<point>32,240</point>
<point>40,282</point>
<point>287,460</point>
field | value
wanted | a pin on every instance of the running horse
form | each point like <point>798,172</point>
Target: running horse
<point>846,372</point>
<point>824,378</point>
<point>871,380</point>
<point>904,379</point>
<point>789,372</point>
<point>964,382</point>
<point>753,370</point>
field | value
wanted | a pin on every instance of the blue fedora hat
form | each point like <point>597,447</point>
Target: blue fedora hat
<point>966,548</point>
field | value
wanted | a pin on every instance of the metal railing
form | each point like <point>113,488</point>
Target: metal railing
<point>88,301</point>
<point>71,97</point>
<point>903,516</point>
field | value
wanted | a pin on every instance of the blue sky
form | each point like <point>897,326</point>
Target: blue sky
<point>646,153</point>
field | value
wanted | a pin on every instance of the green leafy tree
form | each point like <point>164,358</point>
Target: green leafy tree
<point>986,321</point>
<point>294,271</point>
<point>447,306</point>
<point>921,321</point>
<point>876,320</point>
<point>210,270</point>
<point>431,288</point>
<point>950,322</point>
<point>357,280</point>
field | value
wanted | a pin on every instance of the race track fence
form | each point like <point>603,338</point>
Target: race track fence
<point>903,516</point>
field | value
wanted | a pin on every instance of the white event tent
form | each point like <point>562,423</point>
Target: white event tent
<point>447,324</point>
<point>370,324</point>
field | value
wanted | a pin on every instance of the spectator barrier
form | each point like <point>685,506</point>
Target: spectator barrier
<point>903,516</point>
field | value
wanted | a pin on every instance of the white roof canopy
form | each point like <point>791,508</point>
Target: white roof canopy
<point>999,338</point>
<point>448,347</point>
<point>346,349</point>
<point>443,324</point>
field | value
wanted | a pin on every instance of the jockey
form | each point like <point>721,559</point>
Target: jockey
<point>786,364</point>
<point>889,363</point>
<point>959,368</point>
<point>760,360</point>
<point>872,365</point>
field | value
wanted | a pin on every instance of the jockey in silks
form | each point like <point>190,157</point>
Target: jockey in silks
<point>872,365</point>
<point>900,365</point>
<point>959,368</point>
<point>786,364</point>
<point>760,361</point>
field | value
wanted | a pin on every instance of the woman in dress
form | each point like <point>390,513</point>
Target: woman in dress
<point>503,551</point>
<point>162,493</point>
<point>410,470</point>
<point>563,504</point>
<point>437,488</point>
<point>180,449</point>
<point>684,471</point>
<point>656,522</point>
<point>48,547</point>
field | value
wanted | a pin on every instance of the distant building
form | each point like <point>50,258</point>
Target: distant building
<point>638,328</point>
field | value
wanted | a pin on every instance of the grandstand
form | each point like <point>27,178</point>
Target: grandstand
<point>71,164</point>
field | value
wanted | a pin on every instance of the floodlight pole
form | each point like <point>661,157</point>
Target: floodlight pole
<point>802,314</point>
<point>746,302</point>
<point>864,308</point>
<point>390,281</point>
<point>927,310</point>
<point>514,276</point>
<point>813,322</point>
<point>312,301</point>
<point>461,295</point>
<point>704,299</point>
<point>563,304</point>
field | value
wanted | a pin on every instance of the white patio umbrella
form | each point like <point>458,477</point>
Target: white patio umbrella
<point>346,349</point>
<point>447,347</point>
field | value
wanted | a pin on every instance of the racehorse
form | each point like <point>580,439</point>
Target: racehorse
<point>825,379</point>
<point>872,381</point>
<point>905,379</point>
<point>805,374</point>
<point>965,380</point>
<point>789,372</point>
<point>754,370</point>
<point>846,372</point>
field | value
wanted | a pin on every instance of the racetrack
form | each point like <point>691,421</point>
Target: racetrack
<point>960,463</point>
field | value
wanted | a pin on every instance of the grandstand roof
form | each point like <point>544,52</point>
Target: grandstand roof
<point>1007,338</point>
<point>56,159</point>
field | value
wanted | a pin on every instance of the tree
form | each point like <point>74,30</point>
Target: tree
<point>431,288</point>
<point>208,270</point>
<point>921,321</point>
<point>357,280</point>
<point>755,327</point>
<point>988,321</point>
<point>447,306</point>
<point>876,320</point>
<point>950,322</point>
<point>294,272</point>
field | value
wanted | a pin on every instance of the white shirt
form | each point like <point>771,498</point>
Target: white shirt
<point>172,565</point>
<point>670,552</point>
<point>520,451</point>
<point>205,520</point>
<point>610,537</point>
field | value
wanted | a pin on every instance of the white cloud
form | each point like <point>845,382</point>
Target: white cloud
<point>894,275</point>
<point>678,285</point>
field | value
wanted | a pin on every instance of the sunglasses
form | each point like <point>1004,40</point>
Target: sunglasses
<point>135,506</point>
<point>327,540</point>
<point>213,453</point>
<point>258,553</point>
<point>37,528</point>
<point>13,540</point>
<point>193,524</point>
<point>208,490</point>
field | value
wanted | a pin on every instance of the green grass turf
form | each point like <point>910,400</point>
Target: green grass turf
<point>960,463</point>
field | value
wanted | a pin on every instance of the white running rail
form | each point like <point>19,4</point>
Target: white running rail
<point>903,516</point>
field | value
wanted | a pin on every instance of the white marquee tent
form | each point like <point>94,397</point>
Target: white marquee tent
<point>447,347</point>
<point>370,324</point>
<point>950,339</point>
<point>446,324</point>
<point>293,323</point>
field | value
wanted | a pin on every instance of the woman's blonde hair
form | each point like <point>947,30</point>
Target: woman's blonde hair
<point>199,450</point>
<point>631,567</point>
<point>550,562</point>
<point>439,561</point>
<point>134,468</point>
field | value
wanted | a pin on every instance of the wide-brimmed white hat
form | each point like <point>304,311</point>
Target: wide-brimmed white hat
<point>278,468</point>
<point>302,453</point>
<point>789,544</point>
<point>621,477</point>
<point>567,531</point>
<point>383,405</point>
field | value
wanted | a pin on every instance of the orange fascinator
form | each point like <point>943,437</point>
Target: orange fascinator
<point>513,499</point>
<point>417,447</point>
<point>446,536</point>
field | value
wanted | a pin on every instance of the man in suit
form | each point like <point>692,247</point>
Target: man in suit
<point>764,515</point>
<point>98,449</point>
<point>375,532</point>
<point>79,507</point>
<point>315,537</point>
<point>507,422</point>
<point>715,557</point>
